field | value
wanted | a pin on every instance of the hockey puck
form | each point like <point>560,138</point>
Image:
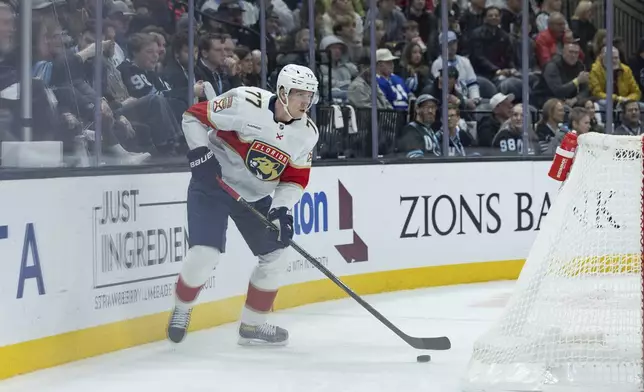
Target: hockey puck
<point>423,358</point>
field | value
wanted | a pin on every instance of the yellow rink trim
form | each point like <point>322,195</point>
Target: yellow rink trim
<point>71,346</point>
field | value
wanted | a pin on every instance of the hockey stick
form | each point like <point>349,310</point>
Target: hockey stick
<point>436,343</point>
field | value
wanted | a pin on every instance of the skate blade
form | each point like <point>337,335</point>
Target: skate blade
<point>259,343</point>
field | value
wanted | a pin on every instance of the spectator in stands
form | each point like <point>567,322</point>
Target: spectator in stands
<point>564,77</point>
<point>458,138</point>
<point>492,54</point>
<point>339,11</point>
<point>583,28</point>
<point>63,70</point>
<point>344,28</point>
<point>162,41</point>
<point>501,107</point>
<point>148,120</point>
<point>414,70</point>
<point>549,40</point>
<point>626,86</point>
<point>579,122</point>
<point>455,97</point>
<point>511,18</point>
<point>552,117</point>
<point>176,69</point>
<point>245,63</point>
<point>509,139</point>
<point>412,35</point>
<point>391,84</point>
<point>120,15</point>
<point>596,123</point>
<point>380,35</point>
<point>631,123</point>
<point>359,92</point>
<point>453,16</point>
<point>471,18</point>
<point>212,62</point>
<point>468,83</point>
<point>427,23</point>
<point>418,139</point>
<point>394,20</point>
<point>637,65</point>
<point>547,9</point>
<point>342,70</point>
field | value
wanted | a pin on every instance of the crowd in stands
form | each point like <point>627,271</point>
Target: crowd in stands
<point>145,82</point>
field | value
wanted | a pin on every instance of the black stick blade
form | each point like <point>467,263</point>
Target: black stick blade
<point>440,343</point>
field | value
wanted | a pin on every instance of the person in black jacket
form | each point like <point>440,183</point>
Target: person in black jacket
<point>492,54</point>
<point>418,139</point>
<point>564,77</point>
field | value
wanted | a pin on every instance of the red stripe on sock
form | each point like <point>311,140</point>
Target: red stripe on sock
<point>186,293</point>
<point>260,300</point>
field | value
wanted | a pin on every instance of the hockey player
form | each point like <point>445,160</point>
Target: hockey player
<point>258,143</point>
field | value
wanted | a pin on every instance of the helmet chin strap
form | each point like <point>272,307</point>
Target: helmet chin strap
<point>285,104</point>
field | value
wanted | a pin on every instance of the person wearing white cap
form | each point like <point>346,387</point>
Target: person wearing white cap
<point>501,106</point>
<point>391,84</point>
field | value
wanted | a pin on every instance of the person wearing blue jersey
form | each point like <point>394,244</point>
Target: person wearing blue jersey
<point>391,84</point>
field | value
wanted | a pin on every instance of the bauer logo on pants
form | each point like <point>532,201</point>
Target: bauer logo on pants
<point>265,161</point>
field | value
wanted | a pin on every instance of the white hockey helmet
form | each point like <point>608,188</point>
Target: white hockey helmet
<point>298,77</point>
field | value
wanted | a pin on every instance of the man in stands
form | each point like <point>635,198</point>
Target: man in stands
<point>501,106</point>
<point>631,123</point>
<point>626,86</point>
<point>466,76</point>
<point>391,84</point>
<point>564,77</point>
<point>418,138</point>
<point>492,54</point>
<point>509,139</point>
<point>471,18</point>
<point>212,62</point>
<point>550,40</point>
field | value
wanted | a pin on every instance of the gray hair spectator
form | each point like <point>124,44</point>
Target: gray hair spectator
<point>564,77</point>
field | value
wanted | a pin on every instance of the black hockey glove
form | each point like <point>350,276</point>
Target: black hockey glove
<point>282,219</point>
<point>204,165</point>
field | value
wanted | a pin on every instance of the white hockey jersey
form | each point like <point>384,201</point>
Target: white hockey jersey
<point>258,155</point>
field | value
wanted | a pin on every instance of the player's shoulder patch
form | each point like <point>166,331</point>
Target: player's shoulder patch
<point>222,103</point>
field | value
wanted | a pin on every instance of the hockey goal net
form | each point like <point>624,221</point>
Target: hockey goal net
<point>574,320</point>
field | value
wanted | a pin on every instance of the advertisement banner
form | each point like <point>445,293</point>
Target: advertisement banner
<point>86,251</point>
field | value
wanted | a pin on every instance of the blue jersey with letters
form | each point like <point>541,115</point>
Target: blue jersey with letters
<point>395,90</point>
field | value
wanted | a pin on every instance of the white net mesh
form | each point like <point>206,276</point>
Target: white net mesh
<point>575,317</point>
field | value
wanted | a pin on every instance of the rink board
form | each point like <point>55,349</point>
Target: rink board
<point>89,263</point>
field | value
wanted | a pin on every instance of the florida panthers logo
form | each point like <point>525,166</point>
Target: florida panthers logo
<point>265,161</point>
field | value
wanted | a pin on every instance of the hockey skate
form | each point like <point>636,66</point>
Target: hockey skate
<point>262,335</point>
<point>178,324</point>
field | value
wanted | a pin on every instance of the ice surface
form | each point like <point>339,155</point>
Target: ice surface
<point>334,346</point>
